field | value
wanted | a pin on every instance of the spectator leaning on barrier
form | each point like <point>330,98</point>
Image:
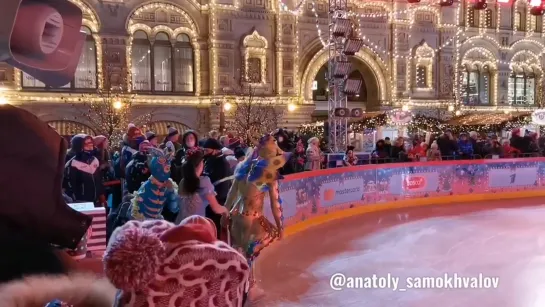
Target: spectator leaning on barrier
<point>434,154</point>
<point>350,158</point>
<point>465,148</point>
<point>398,152</point>
<point>314,155</point>
<point>447,144</point>
<point>381,152</point>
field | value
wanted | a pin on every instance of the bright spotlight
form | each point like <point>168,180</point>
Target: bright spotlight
<point>405,108</point>
<point>292,107</point>
<point>117,105</point>
<point>450,108</point>
<point>227,106</point>
<point>3,100</point>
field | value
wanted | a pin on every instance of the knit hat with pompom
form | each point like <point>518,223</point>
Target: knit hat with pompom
<point>158,264</point>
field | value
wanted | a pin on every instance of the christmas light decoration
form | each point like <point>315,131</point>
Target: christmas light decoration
<point>252,117</point>
<point>108,113</point>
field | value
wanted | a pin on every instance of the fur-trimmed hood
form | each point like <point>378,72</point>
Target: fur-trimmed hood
<point>77,290</point>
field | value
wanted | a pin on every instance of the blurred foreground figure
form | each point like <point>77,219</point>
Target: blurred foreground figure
<point>36,224</point>
<point>158,264</point>
<point>42,38</point>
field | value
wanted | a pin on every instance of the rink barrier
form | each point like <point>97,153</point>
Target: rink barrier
<point>313,198</point>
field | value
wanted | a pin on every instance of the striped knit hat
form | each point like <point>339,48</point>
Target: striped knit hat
<point>157,264</point>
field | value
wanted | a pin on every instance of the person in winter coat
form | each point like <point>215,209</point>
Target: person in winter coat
<point>509,151</point>
<point>131,140</point>
<point>350,158</point>
<point>465,148</point>
<point>381,152</point>
<point>521,143</point>
<point>398,152</point>
<point>447,145</point>
<point>71,152</point>
<point>82,176</point>
<point>189,140</point>
<point>218,170</point>
<point>314,155</point>
<point>138,170</point>
<point>434,154</point>
<point>172,136</point>
<point>296,162</point>
<point>152,138</point>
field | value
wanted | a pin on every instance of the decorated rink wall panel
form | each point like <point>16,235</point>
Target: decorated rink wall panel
<point>311,194</point>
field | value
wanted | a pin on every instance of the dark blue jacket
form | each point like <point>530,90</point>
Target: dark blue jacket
<point>465,147</point>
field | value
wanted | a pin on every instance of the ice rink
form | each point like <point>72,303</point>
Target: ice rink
<point>503,239</point>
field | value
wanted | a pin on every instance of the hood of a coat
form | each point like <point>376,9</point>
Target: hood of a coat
<point>77,290</point>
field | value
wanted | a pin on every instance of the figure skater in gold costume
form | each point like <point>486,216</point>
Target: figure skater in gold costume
<point>255,178</point>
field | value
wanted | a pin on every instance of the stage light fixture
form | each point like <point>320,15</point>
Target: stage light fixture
<point>413,1</point>
<point>341,69</point>
<point>352,86</point>
<point>342,27</point>
<point>352,46</point>
<point>446,2</point>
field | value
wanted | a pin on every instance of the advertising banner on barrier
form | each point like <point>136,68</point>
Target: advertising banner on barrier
<point>307,195</point>
<point>407,184</point>
<point>512,176</point>
<point>341,191</point>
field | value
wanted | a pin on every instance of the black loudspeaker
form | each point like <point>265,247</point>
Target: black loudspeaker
<point>42,38</point>
<point>356,112</point>
<point>342,112</point>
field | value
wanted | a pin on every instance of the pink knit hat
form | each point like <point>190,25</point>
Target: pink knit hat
<point>158,264</point>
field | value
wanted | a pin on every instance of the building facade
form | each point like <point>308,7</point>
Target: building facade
<point>183,57</point>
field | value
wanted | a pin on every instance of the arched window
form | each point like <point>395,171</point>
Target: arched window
<point>488,19</point>
<point>162,63</point>
<point>171,63</point>
<point>537,23</point>
<point>183,69</point>
<point>473,17</point>
<point>141,62</point>
<point>421,76</point>
<point>475,85</point>
<point>519,22</point>
<point>522,86</point>
<point>85,76</point>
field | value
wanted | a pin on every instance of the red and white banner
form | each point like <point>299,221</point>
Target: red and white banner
<point>96,242</point>
<point>403,184</point>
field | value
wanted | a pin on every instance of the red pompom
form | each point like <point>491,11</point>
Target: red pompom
<point>133,257</point>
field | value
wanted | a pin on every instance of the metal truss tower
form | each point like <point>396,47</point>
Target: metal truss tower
<point>337,100</point>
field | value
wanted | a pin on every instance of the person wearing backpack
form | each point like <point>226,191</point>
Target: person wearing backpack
<point>196,190</point>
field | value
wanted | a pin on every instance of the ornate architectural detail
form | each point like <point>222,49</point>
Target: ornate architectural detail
<point>254,50</point>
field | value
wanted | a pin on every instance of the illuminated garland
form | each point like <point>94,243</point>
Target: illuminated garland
<point>419,123</point>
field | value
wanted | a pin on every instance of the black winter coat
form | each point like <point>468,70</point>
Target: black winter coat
<point>217,168</point>
<point>83,180</point>
<point>137,172</point>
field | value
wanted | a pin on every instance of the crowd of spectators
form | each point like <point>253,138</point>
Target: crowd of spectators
<point>448,146</point>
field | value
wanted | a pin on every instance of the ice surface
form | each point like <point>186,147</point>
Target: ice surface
<point>507,243</point>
